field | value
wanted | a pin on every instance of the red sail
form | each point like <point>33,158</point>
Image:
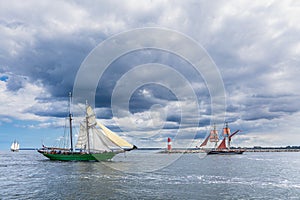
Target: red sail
<point>223,144</point>
<point>233,134</point>
<point>204,142</point>
<point>226,131</point>
<point>214,136</point>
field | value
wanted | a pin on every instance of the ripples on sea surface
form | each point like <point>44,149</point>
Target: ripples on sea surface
<point>29,175</point>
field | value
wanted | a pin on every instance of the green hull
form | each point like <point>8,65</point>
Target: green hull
<point>103,156</point>
<point>79,156</point>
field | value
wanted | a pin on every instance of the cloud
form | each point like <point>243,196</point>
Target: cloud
<point>19,99</point>
<point>26,101</point>
<point>254,45</point>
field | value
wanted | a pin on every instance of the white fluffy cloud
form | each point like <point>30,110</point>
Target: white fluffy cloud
<point>15,103</point>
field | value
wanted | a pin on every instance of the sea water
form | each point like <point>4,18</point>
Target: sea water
<point>152,175</point>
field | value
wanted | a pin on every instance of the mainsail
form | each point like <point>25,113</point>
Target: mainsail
<point>114,137</point>
<point>94,136</point>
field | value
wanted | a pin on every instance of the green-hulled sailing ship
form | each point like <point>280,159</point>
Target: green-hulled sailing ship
<point>95,142</point>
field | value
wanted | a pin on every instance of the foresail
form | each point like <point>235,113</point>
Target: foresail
<point>222,144</point>
<point>114,137</point>
<point>204,142</point>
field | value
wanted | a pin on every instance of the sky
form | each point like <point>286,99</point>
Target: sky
<point>254,45</point>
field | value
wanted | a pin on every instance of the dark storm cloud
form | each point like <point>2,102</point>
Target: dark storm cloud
<point>159,95</point>
<point>126,62</point>
<point>254,45</point>
<point>45,45</point>
<point>53,62</point>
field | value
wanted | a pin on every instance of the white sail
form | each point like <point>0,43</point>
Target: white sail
<point>15,146</point>
<point>82,138</point>
<point>91,140</point>
<point>99,142</point>
<point>114,137</point>
<point>96,137</point>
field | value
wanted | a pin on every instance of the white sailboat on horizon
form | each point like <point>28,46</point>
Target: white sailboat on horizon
<point>15,146</point>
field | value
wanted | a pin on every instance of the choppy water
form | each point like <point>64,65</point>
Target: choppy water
<point>28,175</point>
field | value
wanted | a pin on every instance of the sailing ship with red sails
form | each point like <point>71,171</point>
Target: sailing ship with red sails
<point>221,148</point>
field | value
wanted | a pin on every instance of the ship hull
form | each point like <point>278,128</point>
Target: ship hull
<point>77,156</point>
<point>225,152</point>
<point>103,156</point>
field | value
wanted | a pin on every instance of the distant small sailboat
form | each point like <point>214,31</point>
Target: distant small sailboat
<point>222,148</point>
<point>95,142</point>
<point>15,146</point>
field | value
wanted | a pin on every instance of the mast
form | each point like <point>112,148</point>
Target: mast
<point>70,121</point>
<point>87,127</point>
<point>226,133</point>
<point>214,136</point>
